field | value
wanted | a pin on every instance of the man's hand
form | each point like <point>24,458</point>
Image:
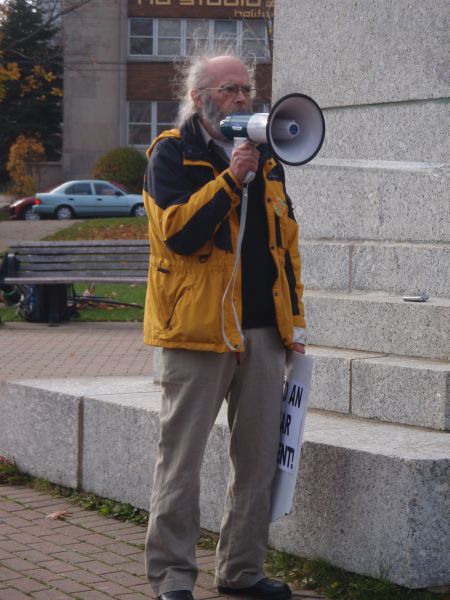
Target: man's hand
<point>298,348</point>
<point>244,159</point>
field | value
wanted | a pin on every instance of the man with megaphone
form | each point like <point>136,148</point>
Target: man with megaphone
<point>224,301</point>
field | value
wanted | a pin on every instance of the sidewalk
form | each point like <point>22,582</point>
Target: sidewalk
<point>73,349</point>
<point>83,557</point>
<point>12,231</point>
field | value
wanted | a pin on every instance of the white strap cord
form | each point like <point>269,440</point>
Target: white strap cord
<point>232,282</point>
<point>237,141</point>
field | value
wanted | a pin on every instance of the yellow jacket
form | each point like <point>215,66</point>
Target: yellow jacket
<point>193,229</point>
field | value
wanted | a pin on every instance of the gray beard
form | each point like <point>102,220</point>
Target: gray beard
<point>211,114</point>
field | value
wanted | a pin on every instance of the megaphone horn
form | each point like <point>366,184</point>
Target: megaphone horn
<point>294,128</point>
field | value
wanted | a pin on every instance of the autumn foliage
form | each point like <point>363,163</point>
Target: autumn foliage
<point>22,154</point>
<point>8,72</point>
<point>30,82</point>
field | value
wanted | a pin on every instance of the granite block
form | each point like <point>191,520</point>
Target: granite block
<point>157,365</point>
<point>97,385</point>
<point>371,499</point>
<point>402,390</point>
<point>331,380</point>
<point>40,429</point>
<point>325,264</point>
<point>351,53</point>
<point>405,132</point>
<point>370,200</point>
<point>120,438</point>
<point>378,322</point>
<point>403,268</point>
<point>214,474</point>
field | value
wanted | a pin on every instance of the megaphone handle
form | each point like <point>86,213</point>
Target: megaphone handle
<point>238,141</point>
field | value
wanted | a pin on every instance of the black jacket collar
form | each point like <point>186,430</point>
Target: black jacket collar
<point>194,145</point>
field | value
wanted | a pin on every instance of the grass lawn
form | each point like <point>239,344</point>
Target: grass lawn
<point>113,228</point>
<point>127,228</point>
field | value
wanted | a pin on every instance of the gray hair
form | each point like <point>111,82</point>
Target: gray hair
<point>192,76</point>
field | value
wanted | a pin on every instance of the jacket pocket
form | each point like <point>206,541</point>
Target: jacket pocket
<point>169,288</point>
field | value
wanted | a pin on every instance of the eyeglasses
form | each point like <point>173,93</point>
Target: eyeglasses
<point>232,89</point>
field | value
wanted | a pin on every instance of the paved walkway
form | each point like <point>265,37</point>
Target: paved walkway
<point>83,556</point>
<point>25,231</point>
<point>73,349</point>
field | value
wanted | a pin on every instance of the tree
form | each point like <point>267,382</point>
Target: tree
<point>23,152</point>
<point>123,165</point>
<point>32,101</point>
<point>31,69</point>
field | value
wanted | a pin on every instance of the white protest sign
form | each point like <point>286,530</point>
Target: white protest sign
<point>294,404</point>
<point>292,417</point>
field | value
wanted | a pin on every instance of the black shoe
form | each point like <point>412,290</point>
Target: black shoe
<point>177,595</point>
<point>266,589</point>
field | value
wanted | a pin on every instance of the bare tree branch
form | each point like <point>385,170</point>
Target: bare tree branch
<point>54,13</point>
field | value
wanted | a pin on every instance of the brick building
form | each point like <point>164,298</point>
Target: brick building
<point>120,64</point>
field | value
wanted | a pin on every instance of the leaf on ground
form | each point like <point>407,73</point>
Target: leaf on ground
<point>59,515</point>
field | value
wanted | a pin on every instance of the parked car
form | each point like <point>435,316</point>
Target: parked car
<point>22,208</point>
<point>88,198</point>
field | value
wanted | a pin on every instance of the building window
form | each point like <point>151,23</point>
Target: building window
<point>139,123</point>
<point>146,119</point>
<point>141,37</point>
<point>254,38</point>
<point>169,37</point>
<point>197,34</point>
<point>166,113</point>
<point>225,34</point>
<point>186,37</point>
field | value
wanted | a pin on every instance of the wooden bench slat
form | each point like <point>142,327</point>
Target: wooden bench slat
<point>76,243</point>
<point>93,267</point>
<point>79,252</point>
<point>75,279</point>
<point>98,271</point>
<point>112,262</point>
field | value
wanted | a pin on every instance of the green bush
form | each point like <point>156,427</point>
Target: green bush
<point>124,165</point>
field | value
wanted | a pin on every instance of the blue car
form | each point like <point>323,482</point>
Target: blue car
<point>88,198</point>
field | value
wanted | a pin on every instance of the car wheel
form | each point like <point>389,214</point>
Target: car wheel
<point>63,213</point>
<point>29,215</point>
<point>138,211</point>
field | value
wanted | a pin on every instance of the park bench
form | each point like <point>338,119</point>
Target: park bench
<point>56,265</point>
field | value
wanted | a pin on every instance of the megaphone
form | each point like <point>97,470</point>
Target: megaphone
<point>294,128</point>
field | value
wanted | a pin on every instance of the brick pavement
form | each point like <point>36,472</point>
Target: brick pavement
<point>85,556</point>
<point>73,349</point>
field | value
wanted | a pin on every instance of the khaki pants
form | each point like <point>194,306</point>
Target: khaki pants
<point>194,385</point>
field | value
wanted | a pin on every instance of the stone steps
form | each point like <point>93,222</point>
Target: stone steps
<point>396,389</point>
<point>378,322</point>
<point>371,497</point>
<point>397,267</point>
